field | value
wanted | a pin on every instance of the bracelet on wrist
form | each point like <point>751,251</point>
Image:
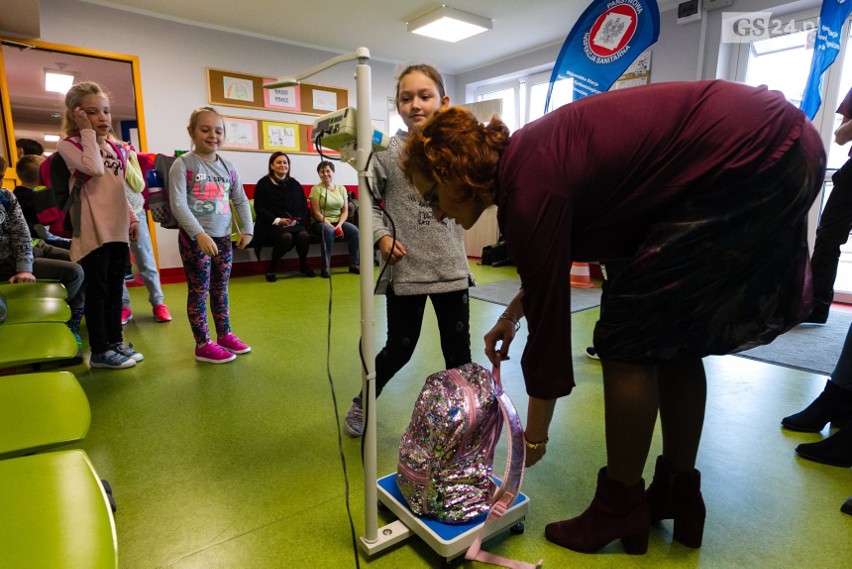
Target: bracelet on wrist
<point>512,319</point>
<point>538,445</point>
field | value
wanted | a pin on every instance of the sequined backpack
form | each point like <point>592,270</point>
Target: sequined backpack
<point>447,452</point>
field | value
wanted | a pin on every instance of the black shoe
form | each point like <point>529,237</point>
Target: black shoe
<point>271,278</point>
<point>817,316</point>
<point>836,450</point>
<point>355,270</point>
<point>833,405</point>
<point>324,274</point>
<point>110,498</point>
<point>308,272</point>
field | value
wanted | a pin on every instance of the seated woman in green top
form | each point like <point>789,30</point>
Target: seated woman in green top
<point>330,207</point>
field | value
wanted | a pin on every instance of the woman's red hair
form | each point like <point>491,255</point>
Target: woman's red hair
<point>453,144</point>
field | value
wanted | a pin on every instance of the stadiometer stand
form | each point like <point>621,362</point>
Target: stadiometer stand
<point>449,541</point>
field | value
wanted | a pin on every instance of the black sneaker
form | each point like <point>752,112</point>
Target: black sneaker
<point>592,353</point>
<point>353,425</point>
<point>110,359</point>
<point>127,351</point>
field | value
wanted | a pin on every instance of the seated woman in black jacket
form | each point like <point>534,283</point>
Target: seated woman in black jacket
<point>282,212</point>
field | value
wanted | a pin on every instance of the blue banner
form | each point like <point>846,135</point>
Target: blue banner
<point>826,47</point>
<point>606,39</point>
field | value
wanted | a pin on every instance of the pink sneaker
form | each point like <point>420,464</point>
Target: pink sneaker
<point>126,315</point>
<point>213,354</point>
<point>161,313</point>
<point>233,344</point>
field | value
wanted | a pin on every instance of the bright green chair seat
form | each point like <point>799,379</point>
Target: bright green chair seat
<point>26,310</point>
<point>25,344</point>
<point>54,513</point>
<point>40,289</point>
<point>42,410</point>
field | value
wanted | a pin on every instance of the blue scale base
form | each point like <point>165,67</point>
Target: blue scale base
<point>447,540</point>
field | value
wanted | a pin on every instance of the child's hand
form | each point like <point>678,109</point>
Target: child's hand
<point>245,239</point>
<point>207,245</point>
<point>399,250</point>
<point>22,277</point>
<point>134,231</point>
<point>81,119</point>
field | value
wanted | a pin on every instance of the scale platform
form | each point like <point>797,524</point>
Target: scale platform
<point>447,540</point>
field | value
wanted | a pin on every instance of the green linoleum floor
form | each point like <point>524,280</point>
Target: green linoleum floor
<point>237,465</point>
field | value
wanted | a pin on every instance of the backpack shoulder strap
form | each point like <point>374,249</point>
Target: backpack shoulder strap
<point>188,163</point>
<point>510,489</point>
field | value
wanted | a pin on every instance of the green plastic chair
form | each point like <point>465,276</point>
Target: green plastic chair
<point>25,344</point>
<point>54,512</point>
<point>39,411</point>
<point>40,289</point>
<point>26,310</point>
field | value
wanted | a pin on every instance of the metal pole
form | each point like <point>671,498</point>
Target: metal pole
<point>365,222</point>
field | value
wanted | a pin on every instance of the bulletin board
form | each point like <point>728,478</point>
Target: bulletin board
<point>260,135</point>
<point>234,89</point>
<point>319,99</point>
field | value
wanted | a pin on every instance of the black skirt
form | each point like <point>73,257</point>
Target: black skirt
<point>724,271</point>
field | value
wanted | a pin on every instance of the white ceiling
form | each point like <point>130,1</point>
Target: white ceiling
<point>337,26</point>
<point>342,26</point>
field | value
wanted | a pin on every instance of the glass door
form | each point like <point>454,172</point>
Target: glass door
<point>782,63</point>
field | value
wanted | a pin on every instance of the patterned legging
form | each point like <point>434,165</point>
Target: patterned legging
<point>206,275</point>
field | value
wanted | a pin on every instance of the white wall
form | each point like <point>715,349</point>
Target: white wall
<point>173,60</point>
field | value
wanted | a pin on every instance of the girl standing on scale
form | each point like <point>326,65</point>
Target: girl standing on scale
<point>426,260</point>
<point>203,213</point>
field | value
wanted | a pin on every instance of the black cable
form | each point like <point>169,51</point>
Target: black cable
<point>340,450</point>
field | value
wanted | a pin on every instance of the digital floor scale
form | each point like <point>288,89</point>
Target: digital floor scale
<point>450,541</point>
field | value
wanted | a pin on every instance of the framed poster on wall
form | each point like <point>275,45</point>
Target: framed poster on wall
<point>241,134</point>
<point>281,99</point>
<point>320,99</point>
<point>281,136</point>
<point>235,89</point>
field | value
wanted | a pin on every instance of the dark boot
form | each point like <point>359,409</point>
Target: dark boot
<point>616,512</point>
<point>833,405</point>
<point>677,496</point>
<point>836,450</point>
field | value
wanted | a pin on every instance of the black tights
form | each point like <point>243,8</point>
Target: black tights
<point>282,242</point>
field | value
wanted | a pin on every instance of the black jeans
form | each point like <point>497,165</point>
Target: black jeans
<point>104,270</point>
<point>835,223</point>
<point>405,319</point>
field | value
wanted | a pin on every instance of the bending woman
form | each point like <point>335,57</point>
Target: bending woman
<point>282,213</point>
<point>706,197</point>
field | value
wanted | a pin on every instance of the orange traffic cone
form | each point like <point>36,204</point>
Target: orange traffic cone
<point>581,277</point>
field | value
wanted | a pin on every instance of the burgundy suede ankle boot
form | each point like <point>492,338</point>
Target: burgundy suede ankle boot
<point>617,512</point>
<point>659,493</point>
<point>677,496</point>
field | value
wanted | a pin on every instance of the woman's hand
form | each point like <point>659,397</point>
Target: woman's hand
<point>245,239</point>
<point>502,332</point>
<point>398,252</point>
<point>206,244</point>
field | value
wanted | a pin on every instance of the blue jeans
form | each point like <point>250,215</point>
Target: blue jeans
<point>352,235</point>
<point>143,252</point>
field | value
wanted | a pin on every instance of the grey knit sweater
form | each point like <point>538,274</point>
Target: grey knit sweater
<point>436,261</point>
